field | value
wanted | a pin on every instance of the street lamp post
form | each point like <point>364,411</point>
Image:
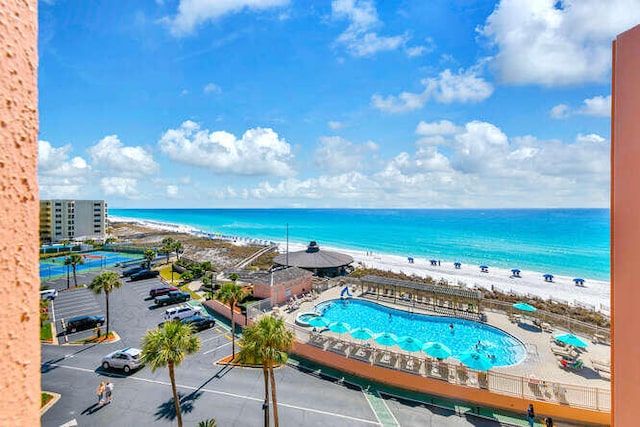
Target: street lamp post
<point>265,408</point>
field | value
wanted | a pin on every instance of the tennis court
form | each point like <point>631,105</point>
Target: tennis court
<point>52,268</point>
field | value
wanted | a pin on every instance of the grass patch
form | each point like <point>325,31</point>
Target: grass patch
<point>165,273</point>
<point>45,333</point>
<point>185,288</point>
<point>94,339</point>
<point>45,398</point>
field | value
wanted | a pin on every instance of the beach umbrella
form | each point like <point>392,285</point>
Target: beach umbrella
<point>409,344</point>
<point>386,338</point>
<point>548,277</point>
<point>523,306</point>
<point>319,322</point>
<point>475,360</point>
<point>515,272</point>
<point>572,340</point>
<point>578,281</point>
<point>339,327</point>
<point>362,333</point>
<point>437,350</point>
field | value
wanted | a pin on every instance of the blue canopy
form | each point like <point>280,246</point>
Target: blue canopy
<point>571,340</point>
<point>484,267</point>
<point>578,280</point>
<point>523,306</point>
<point>515,270</point>
<point>409,344</point>
<point>546,276</point>
<point>362,333</point>
<point>475,360</point>
<point>339,327</point>
<point>386,338</point>
<point>437,350</point>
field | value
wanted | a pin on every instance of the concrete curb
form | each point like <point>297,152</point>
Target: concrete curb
<point>52,402</point>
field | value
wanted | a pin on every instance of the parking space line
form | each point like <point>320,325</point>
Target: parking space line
<point>73,306</point>
<point>74,313</point>
<point>212,338</point>
<point>216,348</point>
<point>225,393</point>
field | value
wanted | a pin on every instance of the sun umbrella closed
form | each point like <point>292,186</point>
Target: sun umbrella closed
<point>386,338</point>
<point>362,334</point>
<point>571,340</point>
<point>475,360</point>
<point>437,350</point>
<point>409,344</point>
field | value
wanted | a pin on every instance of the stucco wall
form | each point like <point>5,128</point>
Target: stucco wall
<point>19,325</point>
<point>625,227</point>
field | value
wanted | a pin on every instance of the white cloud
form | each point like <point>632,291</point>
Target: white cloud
<point>557,42</point>
<point>260,151</point>
<point>480,167</point>
<point>466,86</point>
<point>336,125</point>
<point>443,127</point>
<point>598,106</point>
<point>184,92</point>
<point>358,38</point>
<point>110,156</point>
<point>119,186</point>
<point>337,155</point>
<point>172,191</point>
<point>212,88</point>
<point>192,13</point>
<point>55,161</point>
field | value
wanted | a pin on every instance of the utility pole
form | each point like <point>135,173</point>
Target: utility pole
<point>287,245</point>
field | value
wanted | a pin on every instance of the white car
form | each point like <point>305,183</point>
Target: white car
<point>50,294</point>
<point>180,312</point>
<point>126,359</point>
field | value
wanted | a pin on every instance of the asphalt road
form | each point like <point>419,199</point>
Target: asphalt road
<point>233,396</point>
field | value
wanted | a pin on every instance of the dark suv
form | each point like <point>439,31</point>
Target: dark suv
<point>144,274</point>
<point>84,322</point>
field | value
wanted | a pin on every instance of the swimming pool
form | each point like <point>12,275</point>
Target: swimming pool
<point>54,267</point>
<point>464,336</point>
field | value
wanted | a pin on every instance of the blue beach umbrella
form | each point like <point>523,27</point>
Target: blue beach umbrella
<point>578,281</point>
<point>386,338</point>
<point>475,360</point>
<point>572,340</point>
<point>339,327</point>
<point>437,350</point>
<point>523,306</point>
<point>410,344</point>
<point>362,333</point>
<point>319,322</point>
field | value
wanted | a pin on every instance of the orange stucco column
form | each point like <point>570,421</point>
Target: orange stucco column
<point>19,324</point>
<point>625,227</point>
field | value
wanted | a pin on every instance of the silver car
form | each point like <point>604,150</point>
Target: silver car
<point>126,359</point>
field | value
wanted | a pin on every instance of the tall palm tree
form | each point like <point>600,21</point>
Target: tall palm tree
<point>230,294</point>
<point>267,342</point>
<point>211,422</point>
<point>167,347</point>
<point>149,255</point>
<point>105,282</point>
<point>177,247</point>
<point>167,247</point>
<point>74,260</point>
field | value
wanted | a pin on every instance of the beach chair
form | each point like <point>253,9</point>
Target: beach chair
<point>362,353</point>
<point>339,347</point>
<point>546,327</point>
<point>603,366</point>
<point>385,359</point>
<point>411,364</point>
<point>571,366</point>
<point>562,352</point>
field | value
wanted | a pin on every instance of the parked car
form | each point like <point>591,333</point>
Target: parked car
<point>181,311</point>
<point>144,274</point>
<point>83,322</point>
<point>132,270</point>
<point>172,297</point>
<point>49,294</point>
<point>126,359</point>
<point>161,290</point>
<point>199,322</point>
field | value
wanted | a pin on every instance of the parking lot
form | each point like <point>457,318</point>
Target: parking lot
<point>231,395</point>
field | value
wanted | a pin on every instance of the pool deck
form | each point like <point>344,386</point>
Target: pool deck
<point>539,362</point>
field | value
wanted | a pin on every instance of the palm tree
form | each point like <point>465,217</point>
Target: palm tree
<point>267,342</point>
<point>149,255</point>
<point>230,294</point>
<point>177,247</point>
<point>106,282</point>
<point>167,247</point>
<point>168,346</point>
<point>74,260</point>
<point>211,422</point>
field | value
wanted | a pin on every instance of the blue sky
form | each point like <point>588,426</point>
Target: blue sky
<point>344,103</point>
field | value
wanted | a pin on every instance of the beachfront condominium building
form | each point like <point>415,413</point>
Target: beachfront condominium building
<point>72,220</point>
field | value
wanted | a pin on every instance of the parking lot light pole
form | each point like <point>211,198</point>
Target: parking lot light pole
<point>265,408</point>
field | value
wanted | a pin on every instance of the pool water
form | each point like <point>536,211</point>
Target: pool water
<point>464,336</point>
<point>306,317</point>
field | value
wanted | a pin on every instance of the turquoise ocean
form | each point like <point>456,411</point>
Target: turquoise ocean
<point>567,242</point>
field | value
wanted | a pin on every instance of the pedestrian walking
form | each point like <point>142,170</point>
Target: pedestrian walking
<point>100,392</point>
<point>531,416</point>
<point>109,391</point>
<point>548,422</point>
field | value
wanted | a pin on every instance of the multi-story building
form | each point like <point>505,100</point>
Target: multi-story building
<point>72,220</point>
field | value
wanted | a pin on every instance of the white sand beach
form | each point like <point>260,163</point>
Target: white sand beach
<point>594,294</point>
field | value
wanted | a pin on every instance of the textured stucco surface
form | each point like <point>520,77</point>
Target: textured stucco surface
<point>19,326</point>
<point>625,220</point>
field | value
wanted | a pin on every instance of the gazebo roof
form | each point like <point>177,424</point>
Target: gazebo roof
<point>313,257</point>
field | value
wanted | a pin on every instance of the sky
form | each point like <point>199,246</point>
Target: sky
<point>328,104</point>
